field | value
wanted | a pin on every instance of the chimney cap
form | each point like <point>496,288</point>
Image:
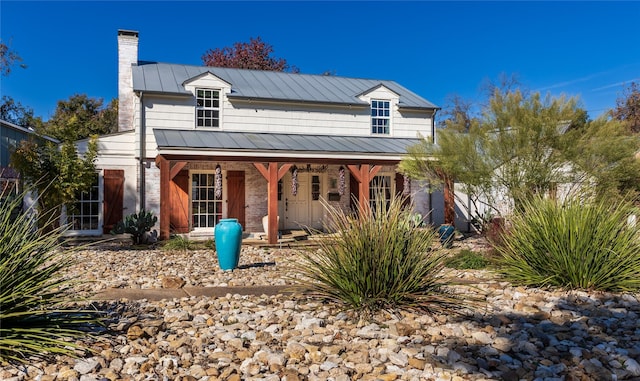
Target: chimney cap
<point>125,32</point>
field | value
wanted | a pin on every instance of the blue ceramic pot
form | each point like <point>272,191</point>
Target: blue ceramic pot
<point>228,235</point>
<point>446,235</point>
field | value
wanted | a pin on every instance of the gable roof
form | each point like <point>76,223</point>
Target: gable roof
<point>167,78</point>
<point>26,131</point>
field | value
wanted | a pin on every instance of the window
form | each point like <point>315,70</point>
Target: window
<point>206,208</point>
<point>380,191</point>
<point>315,188</point>
<point>380,117</point>
<point>207,108</point>
<point>85,213</point>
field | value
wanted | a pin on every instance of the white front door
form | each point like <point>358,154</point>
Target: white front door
<point>302,210</point>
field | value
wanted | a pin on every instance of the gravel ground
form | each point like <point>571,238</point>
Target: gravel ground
<point>521,333</point>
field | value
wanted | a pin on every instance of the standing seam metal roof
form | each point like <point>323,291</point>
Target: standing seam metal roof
<point>252,141</point>
<point>258,84</point>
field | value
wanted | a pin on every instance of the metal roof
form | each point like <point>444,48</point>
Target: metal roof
<point>257,84</point>
<point>243,142</point>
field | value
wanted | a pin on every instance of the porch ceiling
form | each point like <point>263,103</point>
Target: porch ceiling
<point>293,147</point>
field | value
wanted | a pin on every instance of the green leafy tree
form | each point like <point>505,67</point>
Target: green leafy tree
<point>605,154</point>
<point>58,173</point>
<point>80,117</point>
<point>14,112</point>
<point>519,145</point>
<point>255,54</point>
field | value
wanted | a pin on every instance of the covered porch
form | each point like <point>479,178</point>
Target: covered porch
<point>274,165</point>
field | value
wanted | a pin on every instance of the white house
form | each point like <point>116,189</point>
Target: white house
<point>196,144</point>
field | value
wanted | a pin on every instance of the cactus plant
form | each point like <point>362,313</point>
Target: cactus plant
<point>136,224</point>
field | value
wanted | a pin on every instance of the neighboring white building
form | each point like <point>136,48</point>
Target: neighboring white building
<point>199,143</point>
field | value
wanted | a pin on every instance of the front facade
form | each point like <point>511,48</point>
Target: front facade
<point>197,144</point>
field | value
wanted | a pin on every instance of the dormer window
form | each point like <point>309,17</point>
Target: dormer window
<point>380,119</point>
<point>207,108</point>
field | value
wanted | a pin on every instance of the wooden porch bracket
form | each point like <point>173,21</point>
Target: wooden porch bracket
<point>363,174</point>
<point>177,167</point>
<point>272,174</point>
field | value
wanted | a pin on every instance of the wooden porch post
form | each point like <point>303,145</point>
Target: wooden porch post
<point>272,175</point>
<point>363,174</point>
<point>165,194</point>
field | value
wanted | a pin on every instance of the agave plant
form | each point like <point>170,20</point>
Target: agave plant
<point>378,260</point>
<point>36,317</point>
<point>577,244</point>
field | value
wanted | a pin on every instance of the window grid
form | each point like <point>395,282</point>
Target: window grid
<point>380,191</point>
<point>380,117</point>
<point>315,188</point>
<point>207,108</point>
<point>206,209</point>
<point>85,213</point>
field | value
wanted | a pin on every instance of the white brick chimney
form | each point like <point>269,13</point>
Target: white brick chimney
<point>127,56</point>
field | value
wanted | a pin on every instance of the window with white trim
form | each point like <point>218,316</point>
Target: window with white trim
<point>207,108</point>
<point>380,117</point>
<point>206,206</point>
<point>84,214</point>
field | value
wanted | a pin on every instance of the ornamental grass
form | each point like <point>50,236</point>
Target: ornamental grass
<point>573,245</point>
<point>35,314</point>
<point>378,261</point>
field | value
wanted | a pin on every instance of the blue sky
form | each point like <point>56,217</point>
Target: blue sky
<point>589,49</point>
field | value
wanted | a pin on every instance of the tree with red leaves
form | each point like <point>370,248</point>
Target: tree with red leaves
<point>628,107</point>
<point>255,54</point>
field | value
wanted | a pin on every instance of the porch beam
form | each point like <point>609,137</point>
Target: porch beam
<point>165,194</point>
<point>177,167</point>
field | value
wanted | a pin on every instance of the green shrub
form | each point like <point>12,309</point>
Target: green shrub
<point>467,259</point>
<point>378,261</point>
<point>136,224</point>
<point>179,243</point>
<point>575,245</point>
<point>35,317</point>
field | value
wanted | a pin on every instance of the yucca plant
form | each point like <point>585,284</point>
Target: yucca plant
<point>35,314</point>
<point>577,244</point>
<point>379,260</point>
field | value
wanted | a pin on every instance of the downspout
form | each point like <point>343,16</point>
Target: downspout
<point>143,154</point>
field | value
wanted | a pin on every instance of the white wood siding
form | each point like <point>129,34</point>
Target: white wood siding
<point>260,116</point>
